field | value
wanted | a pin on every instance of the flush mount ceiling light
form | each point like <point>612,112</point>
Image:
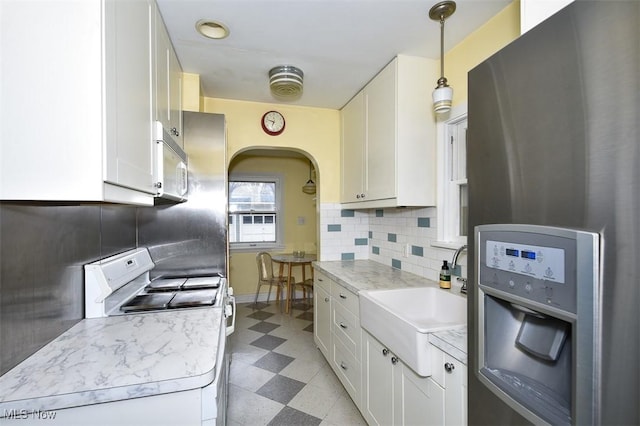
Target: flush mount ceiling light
<point>310,186</point>
<point>285,82</point>
<point>212,29</point>
<point>443,94</point>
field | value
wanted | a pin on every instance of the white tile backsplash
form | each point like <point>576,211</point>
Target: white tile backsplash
<point>413,226</point>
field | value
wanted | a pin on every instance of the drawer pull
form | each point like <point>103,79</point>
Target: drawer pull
<point>394,360</point>
<point>343,366</point>
<point>326,299</point>
<point>342,325</point>
<point>449,367</point>
<point>342,296</point>
<point>385,351</point>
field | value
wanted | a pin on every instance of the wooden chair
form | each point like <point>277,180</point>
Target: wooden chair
<point>307,289</point>
<point>306,286</point>
<point>266,277</point>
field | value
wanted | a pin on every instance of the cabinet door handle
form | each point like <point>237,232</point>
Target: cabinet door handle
<point>385,351</point>
<point>342,296</point>
<point>343,366</point>
<point>326,299</point>
<point>342,325</point>
<point>394,360</point>
<point>449,367</point>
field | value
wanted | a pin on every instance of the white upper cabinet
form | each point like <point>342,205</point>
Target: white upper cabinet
<point>168,83</point>
<point>532,12</point>
<point>353,151</point>
<point>77,101</point>
<point>389,138</point>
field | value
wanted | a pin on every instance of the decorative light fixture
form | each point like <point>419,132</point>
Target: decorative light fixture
<point>212,29</point>
<point>310,186</point>
<point>286,82</point>
<point>443,94</point>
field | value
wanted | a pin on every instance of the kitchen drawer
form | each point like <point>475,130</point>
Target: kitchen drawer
<point>322,281</point>
<point>346,327</point>
<point>347,369</point>
<point>345,297</point>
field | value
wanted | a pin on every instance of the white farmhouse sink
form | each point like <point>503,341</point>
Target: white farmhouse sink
<point>403,318</point>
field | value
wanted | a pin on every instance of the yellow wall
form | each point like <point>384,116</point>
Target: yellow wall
<point>313,131</point>
<point>295,172</point>
<point>499,31</point>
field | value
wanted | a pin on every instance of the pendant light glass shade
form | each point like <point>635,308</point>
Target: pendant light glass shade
<point>310,186</point>
<point>442,97</point>
<point>443,94</point>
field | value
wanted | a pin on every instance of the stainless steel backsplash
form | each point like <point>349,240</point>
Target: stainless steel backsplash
<point>43,247</point>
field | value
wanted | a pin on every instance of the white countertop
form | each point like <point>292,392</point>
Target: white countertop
<point>357,275</point>
<point>114,358</point>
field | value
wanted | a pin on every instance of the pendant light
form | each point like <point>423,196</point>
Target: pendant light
<point>310,186</point>
<point>443,93</point>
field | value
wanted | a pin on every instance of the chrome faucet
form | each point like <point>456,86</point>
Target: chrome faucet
<point>454,263</point>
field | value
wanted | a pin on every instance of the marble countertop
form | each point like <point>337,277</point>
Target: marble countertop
<point>109,359</point>
<point>453,342</point>
<point>357,275</point>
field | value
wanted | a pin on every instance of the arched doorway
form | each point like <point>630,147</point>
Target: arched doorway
<point>269,211</point>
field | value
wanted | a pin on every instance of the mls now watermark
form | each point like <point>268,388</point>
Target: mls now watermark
<point>28,414</point>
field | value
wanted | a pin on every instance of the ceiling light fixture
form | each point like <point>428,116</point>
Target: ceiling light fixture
<point>310,186</point>
<point>212,29</point>
<point>443,94</point>
<point>285,82</point>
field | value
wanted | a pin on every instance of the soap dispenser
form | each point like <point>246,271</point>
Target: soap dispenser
<point>445,275</point>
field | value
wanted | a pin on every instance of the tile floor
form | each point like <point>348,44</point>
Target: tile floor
<point>278,375</point>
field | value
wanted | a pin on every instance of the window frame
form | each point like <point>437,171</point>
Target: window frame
<point>277,178</point>
<point>448,216</point>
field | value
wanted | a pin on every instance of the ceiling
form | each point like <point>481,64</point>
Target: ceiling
<point>339,44</point>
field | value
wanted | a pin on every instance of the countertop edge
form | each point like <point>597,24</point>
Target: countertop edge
<point>68,397</point>
<point>99,396</point>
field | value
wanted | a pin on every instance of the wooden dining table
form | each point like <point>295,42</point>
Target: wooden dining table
<point>289,261</point>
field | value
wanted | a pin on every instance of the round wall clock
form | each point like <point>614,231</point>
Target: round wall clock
<point>273,123</point>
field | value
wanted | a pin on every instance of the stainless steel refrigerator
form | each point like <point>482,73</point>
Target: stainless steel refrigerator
<point>554,145</point>
<point>190,238</point>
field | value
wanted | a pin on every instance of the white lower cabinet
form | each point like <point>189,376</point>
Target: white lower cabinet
<point>451,375</point>
<point>345,339</point>
<point>395,395</point>
<point>337,331</point>
<point>322,313</point>
<point>385,390</point>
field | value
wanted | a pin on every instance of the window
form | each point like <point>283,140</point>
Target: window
<point>254,212</point>
<point>453,197</point>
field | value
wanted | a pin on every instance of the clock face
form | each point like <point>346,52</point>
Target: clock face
<point>273,123</point>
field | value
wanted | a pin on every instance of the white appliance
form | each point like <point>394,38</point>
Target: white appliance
<point>170,167</point>
<point>120,285</point>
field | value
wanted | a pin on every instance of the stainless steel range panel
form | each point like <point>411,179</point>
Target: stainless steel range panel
<point>190,238</point>
<point>553,141</point>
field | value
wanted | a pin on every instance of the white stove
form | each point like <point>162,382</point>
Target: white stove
<point>120,284</point>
